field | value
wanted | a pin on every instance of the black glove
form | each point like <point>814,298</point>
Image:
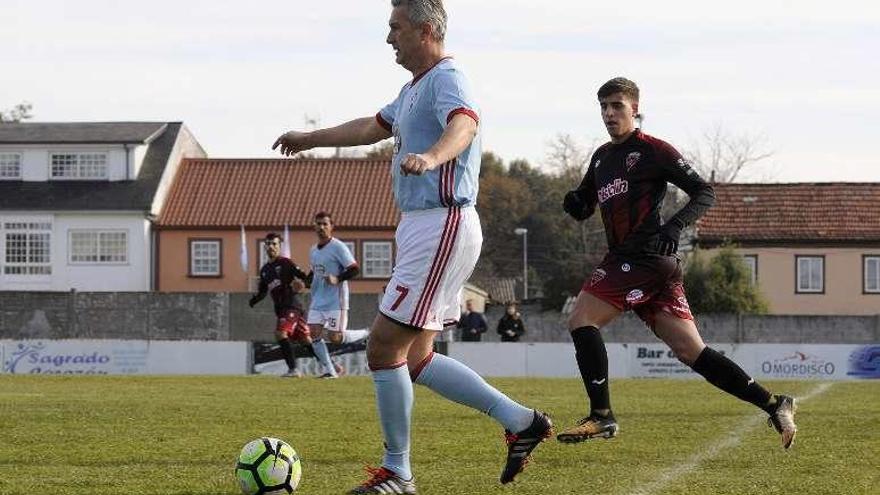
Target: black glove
<point>253,301</point>
<point>575,206</point>
<point>667,240</point>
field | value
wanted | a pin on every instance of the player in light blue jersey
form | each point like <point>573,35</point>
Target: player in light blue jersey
<point>435,124</point>
<point>332,266</point>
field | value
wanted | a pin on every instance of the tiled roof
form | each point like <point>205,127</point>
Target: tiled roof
<point>79,132</point>
<point>225,193</point>
<point>93,194</point>
<point>801,212</point>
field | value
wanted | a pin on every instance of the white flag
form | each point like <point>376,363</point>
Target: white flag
<point>285,250</point>
<point>243,253</point>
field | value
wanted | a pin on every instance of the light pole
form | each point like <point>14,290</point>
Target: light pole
<point>525,235</point>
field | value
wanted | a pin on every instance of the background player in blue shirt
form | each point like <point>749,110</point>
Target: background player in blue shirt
<point>332,266</point>
<point>435,170</point>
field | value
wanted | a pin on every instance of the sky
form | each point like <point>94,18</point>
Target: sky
<point>801,79</point>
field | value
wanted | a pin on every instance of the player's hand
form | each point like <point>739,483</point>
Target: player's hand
<point>298,285</point>
<point>417,164</point>
<point>253,301</point>
<point>667,241</point>
<point>575,206</point>
<point>332,279</point>
<point>292,142</point>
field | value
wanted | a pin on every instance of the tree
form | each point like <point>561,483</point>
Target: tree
<point>20,112</point>
<point>722,285</point>
<point>723,156</point>
<point>382,149</point>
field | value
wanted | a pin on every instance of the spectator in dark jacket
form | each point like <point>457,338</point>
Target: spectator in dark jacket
<point>511,326</point>
<point>472,324</point>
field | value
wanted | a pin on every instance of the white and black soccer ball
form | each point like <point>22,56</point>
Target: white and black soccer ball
<point>268,466</point>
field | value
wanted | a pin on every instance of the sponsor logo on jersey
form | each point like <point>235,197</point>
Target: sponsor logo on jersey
<point>632,159</point>
<point>625,267</point>
<point>619,186</point>
<point>686,166</point>
<point>597,276</point>
<point>635,296</point>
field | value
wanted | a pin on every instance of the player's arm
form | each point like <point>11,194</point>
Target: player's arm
<point>459,133</point>
<point>581,202</point>
<point>261,293</point>
<point>349,273</point>
<point>298,277</point>
<point>365,130</point>
<point>700,192</point>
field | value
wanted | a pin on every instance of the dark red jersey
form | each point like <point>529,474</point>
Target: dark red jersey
<point>275,278</point>
<point>628,182</point>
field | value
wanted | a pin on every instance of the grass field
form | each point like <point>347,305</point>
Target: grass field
<point>164,435</point>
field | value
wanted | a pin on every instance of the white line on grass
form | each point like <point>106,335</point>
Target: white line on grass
<point>732,439</point>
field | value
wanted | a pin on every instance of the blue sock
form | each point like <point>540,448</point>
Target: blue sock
<point>394,398</point>
<point>323,356</point>
<point>458,383</point>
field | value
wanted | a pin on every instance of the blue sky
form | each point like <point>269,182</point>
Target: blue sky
<point>805,78</point>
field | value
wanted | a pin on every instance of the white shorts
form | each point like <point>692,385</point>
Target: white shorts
<point>437,250</point>
<point>334,321</point>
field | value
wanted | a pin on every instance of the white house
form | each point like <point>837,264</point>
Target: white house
<point>78,201</point>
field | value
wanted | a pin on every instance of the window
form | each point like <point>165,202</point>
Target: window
<point>352,246</point>
<point>810,274</point>
<point>377,259</point>
<point>262,257</point>
<point>28,248</point>
<point>92,246</point>
<point>79,165</point>
<point>10,166</point>
<point>751,261</point>
<point>872,274</point>
<point>204,257</point>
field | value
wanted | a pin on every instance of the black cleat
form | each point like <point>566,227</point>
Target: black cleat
<point>520,445</point>
<point>593,426</point>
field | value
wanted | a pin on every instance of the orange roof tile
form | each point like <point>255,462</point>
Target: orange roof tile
<point>225,193</point>
<point>801,212</point>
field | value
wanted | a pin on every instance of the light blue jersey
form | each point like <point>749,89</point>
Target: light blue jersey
<point>417,119</point>
<point>330,259</point>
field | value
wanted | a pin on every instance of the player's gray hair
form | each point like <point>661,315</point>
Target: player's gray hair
<point>426,11</point>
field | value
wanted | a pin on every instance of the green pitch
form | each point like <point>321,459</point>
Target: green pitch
<point>165,436</point>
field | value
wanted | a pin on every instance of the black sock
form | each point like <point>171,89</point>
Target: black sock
<point>728,376</point>
<point>592,360</point>
<point>287,351</point>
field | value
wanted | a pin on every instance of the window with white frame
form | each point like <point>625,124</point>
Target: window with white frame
<point>98,246</point>
<point>872,274</point>
<point>79,166</point>
<point>751,261</point>
<point>352,246</point>
<point>10,166</point>
<point>28,248</point>
<point>810,274</point>
<point>377,259</point>
<point>204,257</point>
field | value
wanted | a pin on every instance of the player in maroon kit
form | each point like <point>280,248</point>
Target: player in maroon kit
<point>283,279</point>
<point>627,179</point>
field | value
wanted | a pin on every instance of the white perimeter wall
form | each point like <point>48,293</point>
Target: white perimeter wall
<point>762,361</point>
<point>124,357</point>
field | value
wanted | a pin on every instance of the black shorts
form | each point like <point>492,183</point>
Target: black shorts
<point>646,284</point>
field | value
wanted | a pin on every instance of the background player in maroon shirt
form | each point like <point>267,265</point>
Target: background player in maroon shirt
<point>627,179</point>
<point>283,280</point>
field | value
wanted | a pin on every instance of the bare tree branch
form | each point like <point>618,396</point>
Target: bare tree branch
<point>724,156</point>
<point>20,112</point>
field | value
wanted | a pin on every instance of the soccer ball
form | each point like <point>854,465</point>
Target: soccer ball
<point>268,466</point>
